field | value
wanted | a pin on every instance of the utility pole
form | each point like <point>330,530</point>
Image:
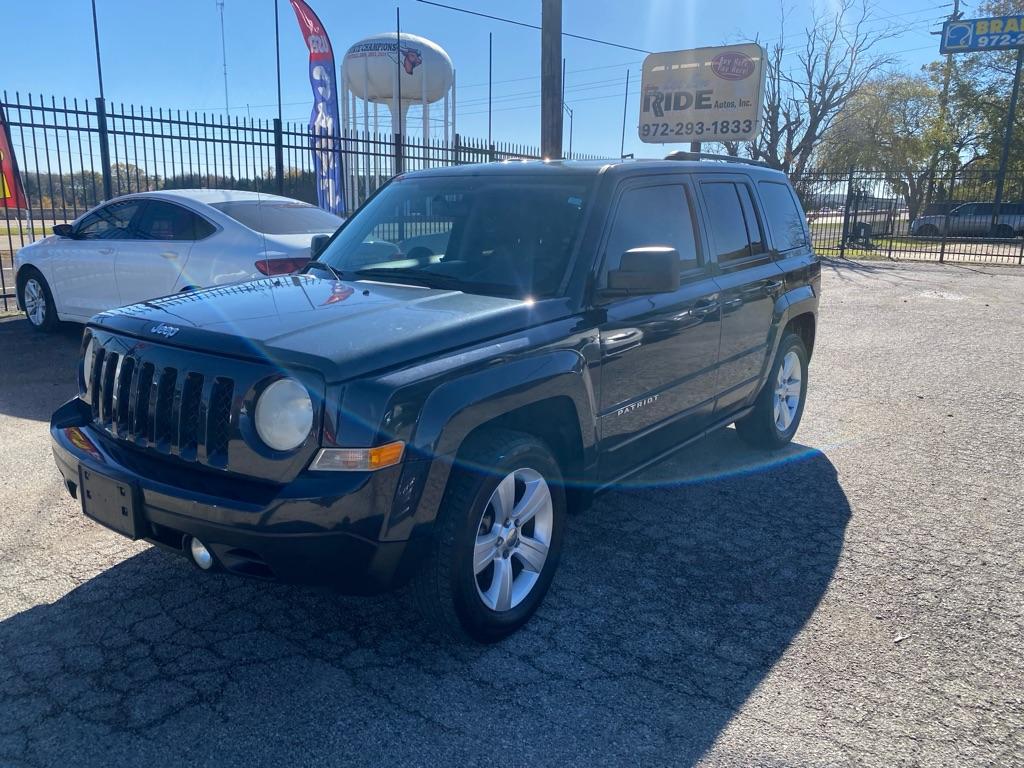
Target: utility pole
<point>625,104</point>
<point>551,79</point>
<point>947,72</point>
<point>96,37</point>
<point>224,55</point>
<point>1008,139</point>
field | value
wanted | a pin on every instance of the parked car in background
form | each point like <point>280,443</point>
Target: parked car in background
<point>972,220</point>
<point>151,244</point>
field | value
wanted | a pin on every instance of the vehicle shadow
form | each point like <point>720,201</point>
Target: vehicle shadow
<point>675,598</point>
<point>37,370</point>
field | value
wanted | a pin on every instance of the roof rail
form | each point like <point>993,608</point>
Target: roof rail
<point>681,154</point>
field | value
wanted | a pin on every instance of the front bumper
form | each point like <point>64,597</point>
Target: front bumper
<point>320,530</point>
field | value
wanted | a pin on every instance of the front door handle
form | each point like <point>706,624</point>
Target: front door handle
<point>705,309</point>
<point>169,254</point>
<point>773,286</point>
<point>105,251</point>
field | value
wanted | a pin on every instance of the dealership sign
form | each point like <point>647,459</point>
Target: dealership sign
<point>703,94</point>
<point>993,34</point>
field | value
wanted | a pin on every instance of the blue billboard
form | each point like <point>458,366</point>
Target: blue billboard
<point>998,33</point>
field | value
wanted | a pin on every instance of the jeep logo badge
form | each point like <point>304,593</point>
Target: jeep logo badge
<point>164,330</point>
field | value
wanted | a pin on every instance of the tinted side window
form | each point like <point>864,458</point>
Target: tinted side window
<point>111,222</point>
<point>783,214</point>
<point>166,221</point>
<point>726,217</point>
<point>754,232</point>
<point>652,216</point>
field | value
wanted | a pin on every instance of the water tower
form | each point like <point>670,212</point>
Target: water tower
<point>397,73</point>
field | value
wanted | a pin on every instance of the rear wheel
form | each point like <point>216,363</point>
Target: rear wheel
<point>497,540</point>
<point>37,301</point>
<point>1004,231</point>
<point>928,230</point>
<point>780,405</point>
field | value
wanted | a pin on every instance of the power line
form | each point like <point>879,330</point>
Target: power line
<point>531,26</point>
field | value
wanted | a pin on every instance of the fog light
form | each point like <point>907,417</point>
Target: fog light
<point>201,556</point>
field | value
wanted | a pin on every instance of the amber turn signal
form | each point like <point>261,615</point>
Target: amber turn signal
<point>358,459</point>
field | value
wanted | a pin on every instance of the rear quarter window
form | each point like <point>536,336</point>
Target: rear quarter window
<point>785,219</point>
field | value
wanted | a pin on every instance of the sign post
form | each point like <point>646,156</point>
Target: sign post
<point>996,33</point>
<point>703,94</point>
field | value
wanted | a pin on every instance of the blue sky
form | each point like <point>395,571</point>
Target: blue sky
<point>167,53</point>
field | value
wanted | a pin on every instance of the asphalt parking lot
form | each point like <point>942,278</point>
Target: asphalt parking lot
<point>856,600</point>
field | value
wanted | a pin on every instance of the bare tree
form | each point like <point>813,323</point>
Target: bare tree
<point>839,54</point>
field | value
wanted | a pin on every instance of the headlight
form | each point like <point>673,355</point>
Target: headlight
<point>284,415</point>
<point>88,359</point>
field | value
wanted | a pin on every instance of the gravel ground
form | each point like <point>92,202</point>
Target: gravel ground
<point>856,600</point>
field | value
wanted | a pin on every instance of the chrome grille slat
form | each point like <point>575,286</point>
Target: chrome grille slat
<point>143,392</point>
<point>106,391</point>
<point>164,430</point>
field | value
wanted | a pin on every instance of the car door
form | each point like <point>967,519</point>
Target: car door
<point>84,265</point>
<point>749,281</point>
<point>658,352</point>
<point>961,220</point>
<point>151,263</point>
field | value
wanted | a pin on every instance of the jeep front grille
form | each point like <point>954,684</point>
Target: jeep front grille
<point>185,413</point>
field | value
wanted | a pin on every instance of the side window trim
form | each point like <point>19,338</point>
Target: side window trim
<point>798,209</point>
<point>735,180</point>
<point>758,219</point>
<point>661,180</point>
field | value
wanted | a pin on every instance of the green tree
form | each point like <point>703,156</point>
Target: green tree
<point>891,126</point>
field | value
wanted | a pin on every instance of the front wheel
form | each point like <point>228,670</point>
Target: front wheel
<point>37,301</point>
<point>497,540</point>
<point>780,405</point>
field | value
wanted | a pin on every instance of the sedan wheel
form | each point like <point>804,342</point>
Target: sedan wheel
<point>35,302</point>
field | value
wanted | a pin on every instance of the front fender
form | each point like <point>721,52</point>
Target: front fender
<point>457,407</point>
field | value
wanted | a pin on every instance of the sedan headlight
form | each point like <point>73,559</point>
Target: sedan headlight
<point>284,415</point>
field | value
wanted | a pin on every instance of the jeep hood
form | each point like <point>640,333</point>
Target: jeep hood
<point>344,329</point>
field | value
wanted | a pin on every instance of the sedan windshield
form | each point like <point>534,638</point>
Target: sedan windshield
<point>280,217</point>
<point>492,235</point>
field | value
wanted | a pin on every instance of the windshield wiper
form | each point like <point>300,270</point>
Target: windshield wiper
<point>324,265</point>
<point>429,279</point>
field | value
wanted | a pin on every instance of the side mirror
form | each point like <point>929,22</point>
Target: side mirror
<point>651,269</point>
<point>317,245</point>
<point>63,230</point>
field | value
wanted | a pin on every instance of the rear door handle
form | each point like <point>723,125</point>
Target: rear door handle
<point>169,254</point>
<point>705,309</point>
<point>105,251</point>
<point>774,285</point>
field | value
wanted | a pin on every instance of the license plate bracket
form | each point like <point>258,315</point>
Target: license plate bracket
<point>110,502</point>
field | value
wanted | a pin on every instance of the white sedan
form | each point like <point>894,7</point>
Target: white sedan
<point>151,244</point>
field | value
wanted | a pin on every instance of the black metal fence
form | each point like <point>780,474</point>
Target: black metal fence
<point>76,153</point>
<point>940,215</point>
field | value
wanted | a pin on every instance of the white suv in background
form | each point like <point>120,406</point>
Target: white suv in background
<point>151,244</point>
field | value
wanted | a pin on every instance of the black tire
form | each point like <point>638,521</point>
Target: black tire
<point>446,589</point>
<point>49,320</point>
<point>759,428</point>
<point>1004,232</point>
<point>928,230</point>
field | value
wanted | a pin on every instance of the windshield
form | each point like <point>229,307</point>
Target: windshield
<point>492,235</point>
<point>280,217</point>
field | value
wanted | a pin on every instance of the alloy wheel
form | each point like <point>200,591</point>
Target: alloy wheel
<point>513,539</point>
<point>787,390</point>
<point>35,301</point>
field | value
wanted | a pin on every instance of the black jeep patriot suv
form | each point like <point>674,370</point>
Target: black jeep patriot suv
<point>476,350</point>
